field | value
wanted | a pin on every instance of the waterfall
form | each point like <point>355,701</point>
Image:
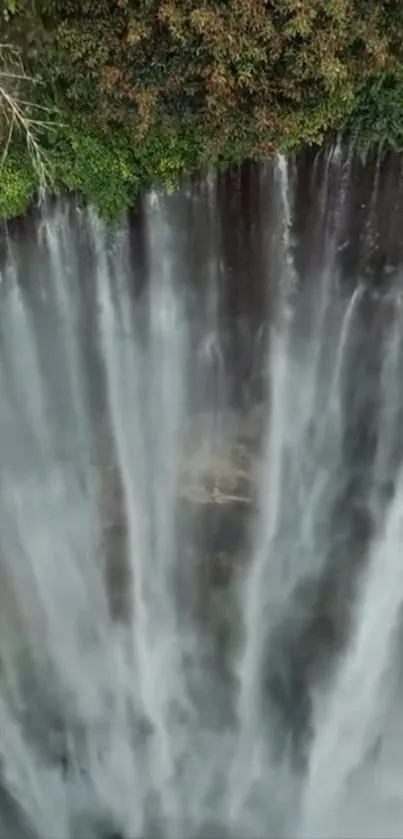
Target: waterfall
<point>200,580</point>
<point>349,727</point>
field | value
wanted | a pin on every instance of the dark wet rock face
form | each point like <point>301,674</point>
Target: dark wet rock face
<point>216,506</point>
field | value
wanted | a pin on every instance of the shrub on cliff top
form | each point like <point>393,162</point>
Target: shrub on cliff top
<point>149,90</point>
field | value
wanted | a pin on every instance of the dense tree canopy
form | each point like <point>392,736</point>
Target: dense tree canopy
<point>140,90</point>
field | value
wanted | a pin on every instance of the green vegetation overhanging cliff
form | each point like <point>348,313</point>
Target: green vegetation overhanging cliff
<point>104,97</point>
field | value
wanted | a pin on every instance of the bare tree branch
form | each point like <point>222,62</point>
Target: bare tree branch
<point>18,113</point>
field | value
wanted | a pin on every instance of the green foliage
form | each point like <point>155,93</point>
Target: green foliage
<point>17,186</point>
<point>105,169</point>
<point>109,168</point>
<point>98,169</point>
<point>377,117</point>
<point>9,8</point>
<point>149,91</point>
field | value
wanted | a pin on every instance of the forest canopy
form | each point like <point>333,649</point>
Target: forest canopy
<point>104,97</point>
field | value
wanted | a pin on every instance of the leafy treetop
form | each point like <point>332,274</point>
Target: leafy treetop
<point>163,86</point>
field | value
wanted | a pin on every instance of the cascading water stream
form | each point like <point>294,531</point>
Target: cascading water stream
<point>250,762</point>
<point>350,724</point>
<point>200,622</point>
